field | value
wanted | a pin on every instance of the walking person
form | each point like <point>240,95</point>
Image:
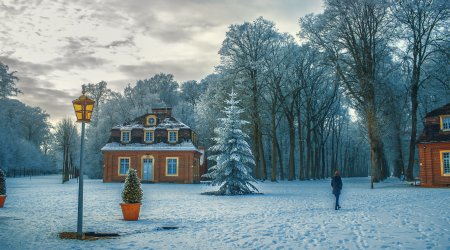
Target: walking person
<point>336,183</point>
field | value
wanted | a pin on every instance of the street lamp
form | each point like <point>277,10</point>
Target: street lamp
<point>83,107</point>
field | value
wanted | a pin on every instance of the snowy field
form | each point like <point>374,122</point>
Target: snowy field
<point>290,215</point>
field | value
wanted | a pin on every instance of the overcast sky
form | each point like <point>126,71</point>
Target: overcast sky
<point>56,46</point>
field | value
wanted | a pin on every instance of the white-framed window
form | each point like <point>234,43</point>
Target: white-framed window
<point>124,165</point>
<point>172,136</point>
<point>125,136</point>
<point>149,136</point>
<point>172,166</point>
<point>445,162</point>
<point>445,122</point>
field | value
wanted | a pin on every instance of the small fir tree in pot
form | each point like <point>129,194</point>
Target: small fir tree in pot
<point>131,196</point>
<point>2,188</point>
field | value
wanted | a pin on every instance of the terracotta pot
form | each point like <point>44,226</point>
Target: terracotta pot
<point>2,200</point>
<point>130,211</point>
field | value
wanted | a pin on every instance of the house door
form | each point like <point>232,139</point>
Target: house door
<point>148,170</point>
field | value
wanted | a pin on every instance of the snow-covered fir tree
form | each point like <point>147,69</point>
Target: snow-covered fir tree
<point>132,191</point>
<point>234,158</point>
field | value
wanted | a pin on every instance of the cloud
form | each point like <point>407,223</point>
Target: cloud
<point>127,42</point>
<point>78,52</point>
<point>25,68</point>
<point>78,61</point>
<point>55,44</point>
<point>39,93</point>
<point>18,8</point>
<point>183,70</point>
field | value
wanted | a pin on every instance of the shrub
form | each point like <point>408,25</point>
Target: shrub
<point>132,191</point>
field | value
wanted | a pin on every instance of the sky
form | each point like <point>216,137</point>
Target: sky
<point>56,46</point>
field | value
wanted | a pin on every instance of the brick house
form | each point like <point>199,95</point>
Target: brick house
<point>158,146</point>
<point>434,148</point>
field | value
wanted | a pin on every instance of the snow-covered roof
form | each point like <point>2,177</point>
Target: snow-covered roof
<point>184,146</point>
<point>171,123</point>
<point>167,123</point>
<point>128,126</point>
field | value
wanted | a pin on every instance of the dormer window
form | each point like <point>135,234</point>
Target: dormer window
<point>149,136</point>
<point>172,136</point>
<point>151,120</point>
<point>125,136</point>
<point>445,123</point>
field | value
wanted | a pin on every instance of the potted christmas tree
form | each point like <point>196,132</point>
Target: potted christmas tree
<point>131,196</point>
<point>2,188</point>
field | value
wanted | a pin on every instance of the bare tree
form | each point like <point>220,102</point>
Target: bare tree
<point>65,133</point>
<point>242,54</point>
<point>355,35</point>
<point>425,26</point>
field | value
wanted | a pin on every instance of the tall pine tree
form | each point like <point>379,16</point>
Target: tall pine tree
<point>234,158</point>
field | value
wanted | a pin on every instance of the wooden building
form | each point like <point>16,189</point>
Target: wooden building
<point>158,146</point>
<point>434,148</point>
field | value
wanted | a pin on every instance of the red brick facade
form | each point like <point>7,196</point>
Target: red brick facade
<point>431,172</point>
<point>188,165</point>
<point>158,146</point>
<point>434,148</point>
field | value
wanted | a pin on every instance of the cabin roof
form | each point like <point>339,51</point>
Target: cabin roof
<point>140,123</point>
<point>444,110</point>
<point>432,130</point>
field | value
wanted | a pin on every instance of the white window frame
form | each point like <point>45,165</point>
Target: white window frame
<point>152,133</point>
<point>122,136</point>
<point>168,136</point>
<point>176,166</point>
<point>445,122</point>
<point>445,163</point>
<point>120,165</point>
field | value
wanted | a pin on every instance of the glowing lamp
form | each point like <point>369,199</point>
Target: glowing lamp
<point>83,107</point>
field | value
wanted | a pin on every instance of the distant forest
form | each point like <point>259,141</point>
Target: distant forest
<point>347,93</point>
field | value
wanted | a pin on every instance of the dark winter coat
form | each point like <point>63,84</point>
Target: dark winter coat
<point>336,183</point>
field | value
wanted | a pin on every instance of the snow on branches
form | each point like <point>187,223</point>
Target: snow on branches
<point>234,158</point>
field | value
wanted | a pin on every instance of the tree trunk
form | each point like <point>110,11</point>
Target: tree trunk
<point>280,156</point>
<point>256,126</point>
<point>66,163</point>
<point>301,168</point>
<point>256,151</point>
<point>316,155</point>
<point>291,166</point>
<point>374,140</point>
<point>263,158</point>
<point>274,143</point>
<point>308,151</point>
<point>324,161</point>
<point>412,140</point>
<point>399,164</point>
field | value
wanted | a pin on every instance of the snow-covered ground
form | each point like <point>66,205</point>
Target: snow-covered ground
<point>290,215</point>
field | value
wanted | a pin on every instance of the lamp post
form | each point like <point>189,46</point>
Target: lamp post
<point>83,107</point>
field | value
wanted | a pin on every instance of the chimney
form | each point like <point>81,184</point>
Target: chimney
<point>166,112</point>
